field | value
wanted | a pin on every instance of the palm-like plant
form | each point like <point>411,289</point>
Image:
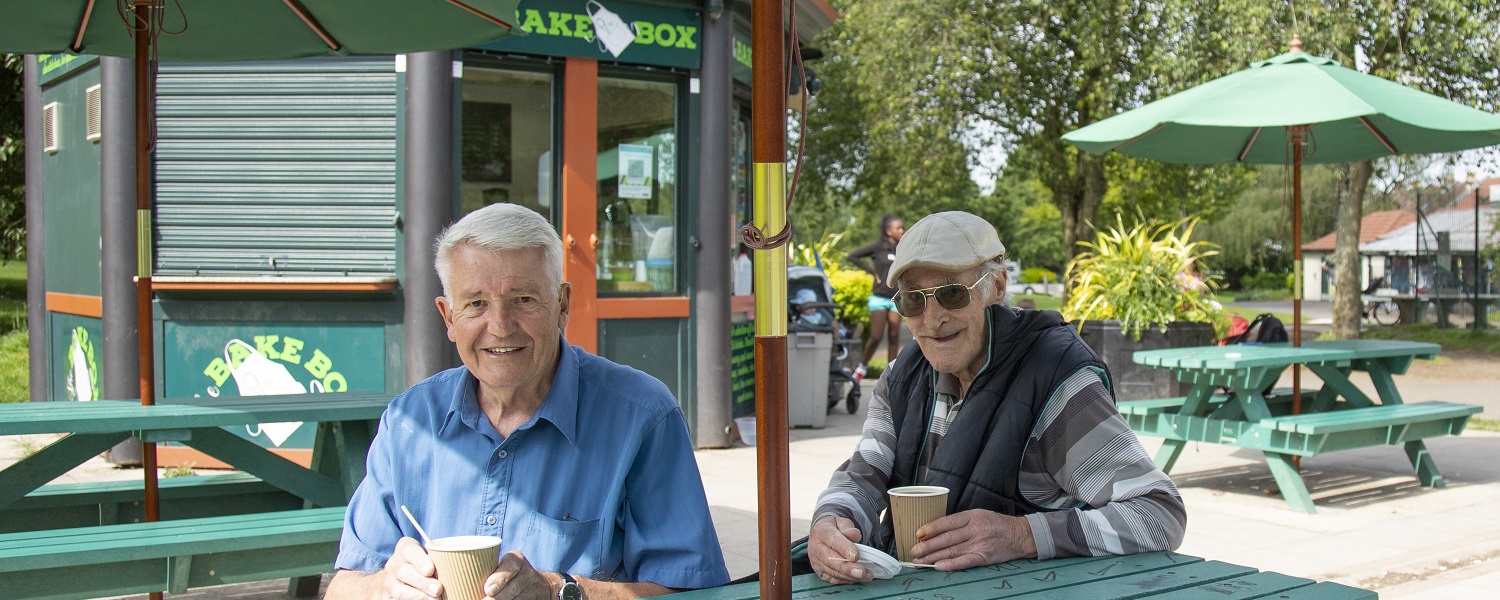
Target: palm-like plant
<point>1143,276</point>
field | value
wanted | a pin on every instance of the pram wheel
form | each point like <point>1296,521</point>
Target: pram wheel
<point>851,402</point>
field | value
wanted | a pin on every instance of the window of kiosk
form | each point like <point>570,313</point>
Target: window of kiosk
<point>507,136</point>
<point>638,179</point>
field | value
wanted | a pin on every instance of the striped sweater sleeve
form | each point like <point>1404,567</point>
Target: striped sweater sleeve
<point>1083,460</point>
<point>857,489</point>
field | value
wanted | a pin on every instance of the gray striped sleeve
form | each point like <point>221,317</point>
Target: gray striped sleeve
<point>857,489</point>
<point>1083,460</point>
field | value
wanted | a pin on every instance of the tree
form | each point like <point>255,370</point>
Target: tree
<point>1450,48</point>
<point>12,159</point>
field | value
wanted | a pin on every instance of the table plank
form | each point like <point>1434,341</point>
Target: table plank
<point>1254,585</point>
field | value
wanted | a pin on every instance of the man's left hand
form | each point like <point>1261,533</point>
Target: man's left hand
<point>516,579</point>
<point>973,538</point>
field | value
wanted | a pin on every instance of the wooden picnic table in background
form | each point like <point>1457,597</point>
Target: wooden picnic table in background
<point>1337,416</point>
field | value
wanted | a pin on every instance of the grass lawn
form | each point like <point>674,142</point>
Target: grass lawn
<point>15,377</point>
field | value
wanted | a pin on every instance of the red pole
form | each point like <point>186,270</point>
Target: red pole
<point>145,112</point>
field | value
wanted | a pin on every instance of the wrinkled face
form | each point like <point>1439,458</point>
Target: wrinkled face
<point>505,316</point>
<point>953,340</point>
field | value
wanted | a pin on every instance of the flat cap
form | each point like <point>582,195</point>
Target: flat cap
<point>948,241</point>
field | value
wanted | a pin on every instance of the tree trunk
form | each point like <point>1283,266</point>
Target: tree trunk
<point>1346,263</point>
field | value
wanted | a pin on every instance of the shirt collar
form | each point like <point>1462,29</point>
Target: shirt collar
<point>560,407</point>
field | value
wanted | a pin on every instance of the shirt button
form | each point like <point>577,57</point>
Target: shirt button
<point>490,519</point>
<point>501,454</point>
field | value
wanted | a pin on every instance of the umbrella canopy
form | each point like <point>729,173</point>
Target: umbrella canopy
<point>256,29</point>
<point>1239,117</point>
<point>1291,109</point>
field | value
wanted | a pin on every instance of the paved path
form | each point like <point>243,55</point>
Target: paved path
<point>1375,528</point>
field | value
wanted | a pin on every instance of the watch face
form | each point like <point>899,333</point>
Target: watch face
<point>570,589</point>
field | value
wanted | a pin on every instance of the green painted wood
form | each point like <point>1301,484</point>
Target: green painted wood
<point>1373,417</point>
<point>1145,584</point>
<point>1421,461</point>
<point>62,506</point>
<point>1254,585</point>
<point>31,550</point>
<point>51,462</point>
<point>1337,378</point>
<point>110,416</point>
<point>1293,489</point>
<point>1327,590</point>
<point>245,455</point>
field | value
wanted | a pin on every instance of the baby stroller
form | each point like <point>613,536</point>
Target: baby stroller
<point>812,307</point>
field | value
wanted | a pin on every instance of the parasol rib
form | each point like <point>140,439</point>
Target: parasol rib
<point>83,27</point>
<point>1133,140</point>
<point>1378,134</point>
<point>1249,144</point>
<point>312,23</point>
<point>481,14</point>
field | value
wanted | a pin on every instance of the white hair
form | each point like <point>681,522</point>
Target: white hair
<point>497,227</point>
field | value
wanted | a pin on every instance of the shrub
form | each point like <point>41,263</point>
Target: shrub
<point>1267,280</point>
<point>1141,277</point>
<point>1038,275</point>
<point>851,291</point>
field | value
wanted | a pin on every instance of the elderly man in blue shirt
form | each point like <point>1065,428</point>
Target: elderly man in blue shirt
<point>582,467</point>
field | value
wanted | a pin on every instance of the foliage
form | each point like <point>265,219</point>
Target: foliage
<point>182,470</point>
<point>827,251</point>
<point>12,159</point>
<point>1265,280</point>
<point>1479,424</point>
<point>15,373</point>
<point>1141,276</point>
<point>1038,275</point>
<point>12,297</point>
<point>1449,339</point>
<point>851,291</point>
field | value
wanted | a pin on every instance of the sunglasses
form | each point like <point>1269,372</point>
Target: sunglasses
<point>951,297</point>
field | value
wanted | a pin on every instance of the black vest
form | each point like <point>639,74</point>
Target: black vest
<point>979,460</point>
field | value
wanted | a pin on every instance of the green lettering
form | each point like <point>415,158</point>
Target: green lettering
<point>645,33</point>
<point>237,354</point>
<point>583,27</point>
<point>559,24</point>
<point>266,345</point>
<point>335,382</point>
<point>218,371</point>
<point>289,348</point>
<point>666,35</point>
<point>319,365</point>
<point>533,22</point>
<point>685,36</point>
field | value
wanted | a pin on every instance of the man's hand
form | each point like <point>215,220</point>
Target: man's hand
<point>409,574</point>
<point>833,537</point>
<point>516,579</point>
<point>973,538</point>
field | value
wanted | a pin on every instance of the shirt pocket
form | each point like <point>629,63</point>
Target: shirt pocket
<point>571,546</point>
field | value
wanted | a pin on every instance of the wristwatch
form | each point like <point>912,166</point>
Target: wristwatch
<point>569,589</point>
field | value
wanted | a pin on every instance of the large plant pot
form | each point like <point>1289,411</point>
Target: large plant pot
<point>1138,382</point>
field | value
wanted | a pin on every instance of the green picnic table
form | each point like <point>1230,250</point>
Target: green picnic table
<point>248,534</point>
<point>1337,416</point>
<point>1158,575</point>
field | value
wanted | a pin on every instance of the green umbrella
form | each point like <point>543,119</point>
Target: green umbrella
<point>149,30</point>
<point>255,29</point>
<point>1294,108</point>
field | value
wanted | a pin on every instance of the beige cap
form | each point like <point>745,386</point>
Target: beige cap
<point>948,241</point>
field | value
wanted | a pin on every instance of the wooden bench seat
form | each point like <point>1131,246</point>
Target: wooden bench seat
<point>172,556</point>
<point>1374,425</point>
<point>66,505</point>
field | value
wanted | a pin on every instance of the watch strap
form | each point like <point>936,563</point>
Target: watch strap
<point>570,589</point>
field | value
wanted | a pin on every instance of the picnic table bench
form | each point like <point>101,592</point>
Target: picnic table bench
<point>211,523</point>
<point>1157,575</point>
<point>1337,416</point>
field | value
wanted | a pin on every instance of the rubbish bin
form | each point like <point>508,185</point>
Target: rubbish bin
<point>809,350</point>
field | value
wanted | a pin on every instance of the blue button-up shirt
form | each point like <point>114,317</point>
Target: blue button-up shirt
<point>601,482</point>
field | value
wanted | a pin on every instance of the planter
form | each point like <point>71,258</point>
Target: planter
<point>1139,382</point>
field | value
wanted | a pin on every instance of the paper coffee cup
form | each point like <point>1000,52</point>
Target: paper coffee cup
<point>463,563</point>
<point>912,507</point>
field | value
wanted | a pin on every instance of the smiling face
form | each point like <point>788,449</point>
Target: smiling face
<point>505,315</point>
<point>954,341</point>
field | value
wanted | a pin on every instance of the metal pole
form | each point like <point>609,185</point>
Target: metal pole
<point>36,287</point>
<point>711,304</point>
<point>768,124</point>
<point>117,260</point>
<point>428,207</point>
<point>1474,283</point>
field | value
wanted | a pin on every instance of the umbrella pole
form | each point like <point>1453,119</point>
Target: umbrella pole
<point>145,111</point>
<point>1296,133</point>
<point>768,123</point>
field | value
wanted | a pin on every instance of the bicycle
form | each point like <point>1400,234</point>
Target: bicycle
<point>1383,312</point>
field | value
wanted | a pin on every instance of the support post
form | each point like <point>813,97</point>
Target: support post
<point>715,196</point>
<point>428,207</point>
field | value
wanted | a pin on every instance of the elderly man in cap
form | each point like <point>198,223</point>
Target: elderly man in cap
<point>1005,407</point>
